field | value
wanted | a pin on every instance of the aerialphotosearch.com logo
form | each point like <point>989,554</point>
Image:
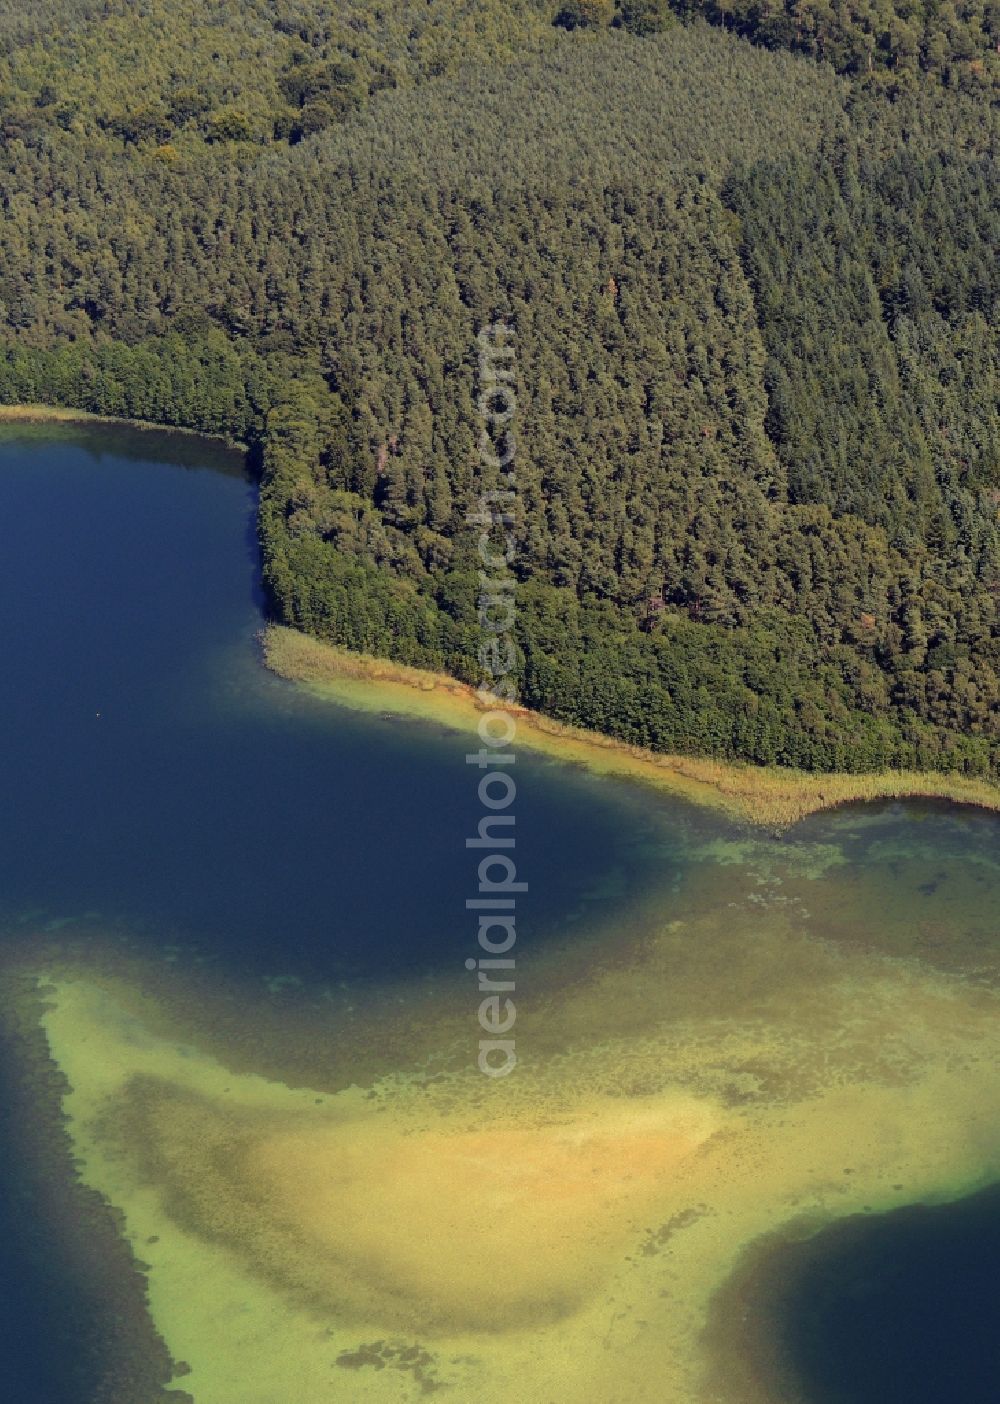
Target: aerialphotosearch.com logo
<point>498,889</point>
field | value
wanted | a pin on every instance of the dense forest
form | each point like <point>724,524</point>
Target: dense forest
<point>754,294</point>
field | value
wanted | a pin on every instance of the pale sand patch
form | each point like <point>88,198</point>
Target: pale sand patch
<point>562,1197</point>
<point>562,1239</point>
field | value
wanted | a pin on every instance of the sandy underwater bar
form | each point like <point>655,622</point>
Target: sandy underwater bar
<point>326,1196</point>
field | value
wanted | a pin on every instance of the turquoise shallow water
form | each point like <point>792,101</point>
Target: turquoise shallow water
<point>163,792</point>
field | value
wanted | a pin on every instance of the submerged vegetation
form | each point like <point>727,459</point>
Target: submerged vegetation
<point>755,300</point>
<point>755,316</point>
<point>329,1203</point>
<point>320,1192</point>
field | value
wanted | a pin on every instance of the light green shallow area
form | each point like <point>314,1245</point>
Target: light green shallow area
<point>389,1227</point>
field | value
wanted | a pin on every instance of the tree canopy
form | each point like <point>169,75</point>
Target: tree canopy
<point>755,307</point>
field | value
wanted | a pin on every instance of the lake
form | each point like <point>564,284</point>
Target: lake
<point>763,1030</point>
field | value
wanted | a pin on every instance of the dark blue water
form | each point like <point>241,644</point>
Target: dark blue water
<point>902,1308</point>
<point>158,784</point>
<point>156,779</point>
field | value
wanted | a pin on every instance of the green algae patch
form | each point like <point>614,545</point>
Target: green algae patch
<point>565,1233</point>
<point>760,795</point>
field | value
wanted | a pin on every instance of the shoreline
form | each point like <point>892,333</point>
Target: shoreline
<point>762,796</point>
<point>757,795</point>
<point>208,1172</point>
<point>61,414</point>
